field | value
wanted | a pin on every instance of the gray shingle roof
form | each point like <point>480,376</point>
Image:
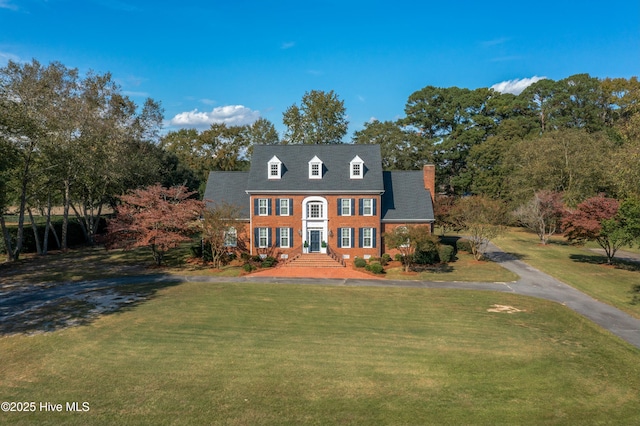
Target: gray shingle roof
<point>405,197</point>
<point>228,187</point>
<point>336,172</point>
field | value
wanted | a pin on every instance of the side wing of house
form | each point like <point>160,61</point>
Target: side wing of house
<point>408,200</point>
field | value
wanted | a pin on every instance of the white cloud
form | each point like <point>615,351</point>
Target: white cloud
<point>135,94</point>
<point>516,86</point>
<point>6,4</point>
<point>232,115</point>
<point>5,57</point>
<point>287,45</point>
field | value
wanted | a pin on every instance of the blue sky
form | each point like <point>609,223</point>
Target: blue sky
<point>238,60</point>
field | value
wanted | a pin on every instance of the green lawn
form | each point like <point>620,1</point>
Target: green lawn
<point>240,354</point>
<point>465,268</point>
<point>577,266</point>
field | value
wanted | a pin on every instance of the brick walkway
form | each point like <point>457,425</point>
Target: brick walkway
<point>294,272</point>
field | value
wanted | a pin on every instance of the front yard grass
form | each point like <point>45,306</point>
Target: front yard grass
<point>240,354</point>
<point>465,268</point>
<point>577,266</point>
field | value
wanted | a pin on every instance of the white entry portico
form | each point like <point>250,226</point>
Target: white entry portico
<point>314,222</point>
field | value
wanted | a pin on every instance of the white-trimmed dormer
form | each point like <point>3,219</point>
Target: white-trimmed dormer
<point>356,168</point>
<point>274,170</point>
<point>315,168</point>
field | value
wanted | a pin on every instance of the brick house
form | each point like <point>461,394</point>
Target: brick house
<point>322,198</point>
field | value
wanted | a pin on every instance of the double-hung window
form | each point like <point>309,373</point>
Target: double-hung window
<point>345,208</point>
<point>367,207</point>
<point>284,206</point>
<point>231,237</point>
<point>285,238</point>
<point>263,237</point>
<point>263,207</point>
<point>345,237</point>
<point>367,237</point>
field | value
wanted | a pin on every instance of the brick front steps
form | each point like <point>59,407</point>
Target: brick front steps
<point>312,260</point>
<point>314,265</point>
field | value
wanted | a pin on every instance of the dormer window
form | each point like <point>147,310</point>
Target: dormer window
<point>356,168</point>
<point>315,168</point>
<point>275,168</point>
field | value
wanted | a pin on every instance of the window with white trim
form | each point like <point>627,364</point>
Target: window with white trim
<point>345,237</point>
<point>314,210</point>
<point>345,208</point>
<point>367,207</point>
<point>263,237</point>
<point>284,207</point>
<point>367,237</point>
<point>275,168</point>
<point>263,207</point>
<point>356,168</point>
<point>315,168</point>
<point>231,237</point>
<point>284,238</point>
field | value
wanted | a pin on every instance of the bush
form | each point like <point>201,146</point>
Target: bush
<point>398,257</point>
<point>248,267</point>
<point>385,259</point>
<point>428,257</point>
<point>360,262</point>
<point>446,254</point>
<point>463,245</point>
<point>268,262</point>
<point>376,268</point>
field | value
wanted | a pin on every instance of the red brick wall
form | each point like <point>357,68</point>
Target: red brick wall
<point>335,221</point>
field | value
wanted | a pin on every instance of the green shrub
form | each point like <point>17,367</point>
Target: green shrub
<point>385,259</point>
<point>376,268</point>
<point>398,257</point>
<point>463,245</point>
<point>248,267</point>
<point>268,262</point>
<point>446,253</point>
<point>427,257</point>
<point>360,262</point>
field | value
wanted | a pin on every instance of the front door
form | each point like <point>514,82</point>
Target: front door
<point>314,240</point>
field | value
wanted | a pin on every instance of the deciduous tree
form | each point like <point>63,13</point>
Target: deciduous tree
<point>598,219</point>
<point>408,240</point>
<point>223,231</point>
<point>320,119</point>
<point>482,219</point>
<point>542,214</point>
<point>155,217</point>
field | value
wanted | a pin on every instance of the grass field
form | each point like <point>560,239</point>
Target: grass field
<point>577,266</point>
<point>240,354</point>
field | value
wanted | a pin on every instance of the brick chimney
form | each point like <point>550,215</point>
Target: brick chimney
<point>429,174</point>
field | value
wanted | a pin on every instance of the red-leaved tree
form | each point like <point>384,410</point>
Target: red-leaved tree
<point>156,217</point>
<point>596,219</point>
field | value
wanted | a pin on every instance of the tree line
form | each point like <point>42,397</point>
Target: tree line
<point>78,142</point>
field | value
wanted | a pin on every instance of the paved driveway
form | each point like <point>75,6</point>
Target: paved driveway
<point>25,302</point>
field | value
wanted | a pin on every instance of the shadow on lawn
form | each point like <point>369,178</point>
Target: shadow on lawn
<point>36,310</point>
<point>595,259</point>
